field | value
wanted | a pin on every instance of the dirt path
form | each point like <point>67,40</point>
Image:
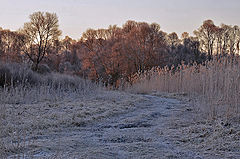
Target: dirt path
<point>150,131</point>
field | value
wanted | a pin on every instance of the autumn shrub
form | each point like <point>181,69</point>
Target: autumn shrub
<point>215,84</point>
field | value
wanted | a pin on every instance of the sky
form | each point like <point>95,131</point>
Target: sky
<point>76,16</point>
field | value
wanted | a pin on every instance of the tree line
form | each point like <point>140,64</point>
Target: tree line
<point>114,54</point>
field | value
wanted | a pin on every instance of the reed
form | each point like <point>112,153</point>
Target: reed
<point>215,84</point>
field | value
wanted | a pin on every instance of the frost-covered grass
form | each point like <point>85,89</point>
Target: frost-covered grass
<point>215,85</point>
<point>28,102</point>
<point>23,122</point>
<point>219,137</point>
<point>213,92</point>
<point>19,84</point>
<point>49,103</point>
<point>54,104</point>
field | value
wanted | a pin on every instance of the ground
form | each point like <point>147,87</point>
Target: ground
<point>117,125</point>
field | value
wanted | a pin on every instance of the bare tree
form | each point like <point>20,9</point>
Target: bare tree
<point>173,40</point>
<point>233,40</point>
<point>11,43</point>
<point>40,33</point>
<point>207,36</point>
<point>185,35</point>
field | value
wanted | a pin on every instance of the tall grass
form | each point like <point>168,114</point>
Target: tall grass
<point>216,84</point>
<point>19,85</point>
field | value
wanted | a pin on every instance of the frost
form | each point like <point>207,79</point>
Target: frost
<point>113,124</point>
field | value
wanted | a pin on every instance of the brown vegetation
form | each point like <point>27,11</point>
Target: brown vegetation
<point>215,84</point>
<point>115,54</point>
<point>36,65</point>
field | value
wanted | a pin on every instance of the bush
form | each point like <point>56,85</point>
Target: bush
<point>13,74</point>
<point>44,69</point>
<point>5,75</point>
<point>21,85</point>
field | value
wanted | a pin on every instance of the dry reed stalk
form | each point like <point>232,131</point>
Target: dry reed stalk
<point>216,83</point>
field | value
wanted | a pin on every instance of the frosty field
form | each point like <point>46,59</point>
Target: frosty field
<point>107,80</point>
<point>112,124</point>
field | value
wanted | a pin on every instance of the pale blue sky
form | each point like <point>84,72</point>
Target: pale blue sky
<point>75,16</point>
